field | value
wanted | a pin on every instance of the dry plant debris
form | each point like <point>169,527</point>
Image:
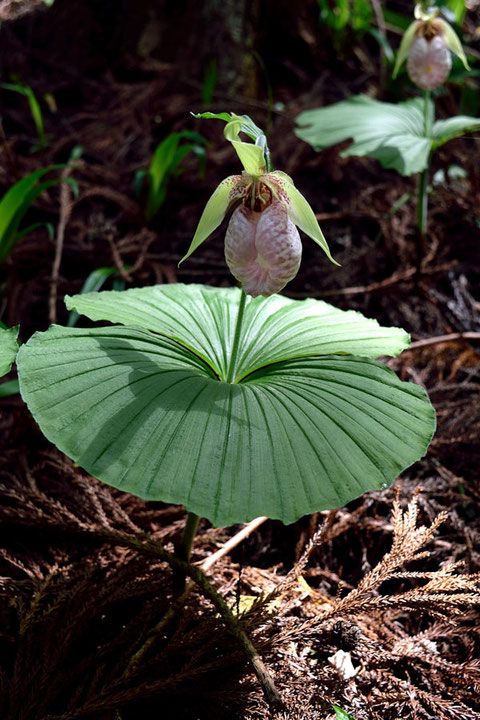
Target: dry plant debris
<point>400,643</point>
<point>13,9</point>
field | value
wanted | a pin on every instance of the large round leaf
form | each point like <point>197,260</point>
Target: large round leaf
<point>147,415</point>
<point>203,319</point>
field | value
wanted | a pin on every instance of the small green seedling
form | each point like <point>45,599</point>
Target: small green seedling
<point>35,109</point>
<point>17,201</point>
<point>341,714</point>
<point>166,163</point>
<point>209,82</point>
<point>233,406</point>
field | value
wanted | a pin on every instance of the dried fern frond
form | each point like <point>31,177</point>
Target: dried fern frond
<point>402,642</point>
<point>445,591</point>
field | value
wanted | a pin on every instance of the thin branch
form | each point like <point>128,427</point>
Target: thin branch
<point>394,279</point>
<point>232,543</point>
<point>444,338</point>
<point>65,212</point>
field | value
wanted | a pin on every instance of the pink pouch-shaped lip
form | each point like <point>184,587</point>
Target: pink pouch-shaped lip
<point>429,62</point>
<point>263,250</point>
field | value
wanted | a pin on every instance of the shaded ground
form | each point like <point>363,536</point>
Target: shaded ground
<point>76,604</point>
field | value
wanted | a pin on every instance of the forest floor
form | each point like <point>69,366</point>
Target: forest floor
<point>338,616</point>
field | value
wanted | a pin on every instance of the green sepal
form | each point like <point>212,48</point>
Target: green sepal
<point>229,190</point>
<point>299,210</point>
<point>405,45</point>
<point>453,43</point>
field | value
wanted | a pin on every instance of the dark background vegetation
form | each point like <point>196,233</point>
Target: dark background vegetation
<point>116,78</point>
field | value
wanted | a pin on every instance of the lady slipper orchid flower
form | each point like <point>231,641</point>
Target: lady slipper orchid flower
<point>426,46</point>
<point>262,245</point>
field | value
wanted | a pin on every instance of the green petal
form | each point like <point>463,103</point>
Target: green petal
<point>299,211</point>
<point>453,43</point>
<point>405,45</point>
<point>229,190</point>
<point>251,156</point>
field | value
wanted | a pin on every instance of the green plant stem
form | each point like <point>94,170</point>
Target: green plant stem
<point>182,551</point>
<point>422,190</point>
<point>145,545</point>
<point>422,203</point>
<point>176,606</point>
<point>189,532</point>
<point>236,338</point>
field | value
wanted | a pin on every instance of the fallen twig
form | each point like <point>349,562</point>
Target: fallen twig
<point>438,339</point>
<point>65,212</point>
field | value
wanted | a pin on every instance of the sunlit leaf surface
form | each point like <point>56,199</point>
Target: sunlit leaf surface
<point>303,428</point>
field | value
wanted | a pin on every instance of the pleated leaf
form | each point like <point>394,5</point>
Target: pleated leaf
<point>145,414</point>
<point>444,130</point>
<point>202,318</point>
<point>8,348</point>
<point>390,133</point>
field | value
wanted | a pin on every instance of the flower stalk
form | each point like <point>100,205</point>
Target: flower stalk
<point>422,189</point>
<point>183,551</point>
<point>236,338</point>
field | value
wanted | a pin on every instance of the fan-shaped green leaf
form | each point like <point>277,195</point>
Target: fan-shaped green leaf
<point>391,133</point>
<point>445,130</point>
<point>276,328</point>
<point>147,415</point>
<point>8,348</point>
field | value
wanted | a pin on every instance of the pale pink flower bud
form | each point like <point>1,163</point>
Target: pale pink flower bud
<point>263,249</point>
<point>429,62</point>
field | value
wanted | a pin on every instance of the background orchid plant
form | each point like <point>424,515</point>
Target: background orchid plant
<point>402,136</point>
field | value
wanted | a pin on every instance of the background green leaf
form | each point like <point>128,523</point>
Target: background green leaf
<point>9,388</point>
<point>445,130</point>
<point>166,162</point>
<point>35,109</point>
<point>8,348</point>
<point>390,133</point>
<point>18,199</point>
